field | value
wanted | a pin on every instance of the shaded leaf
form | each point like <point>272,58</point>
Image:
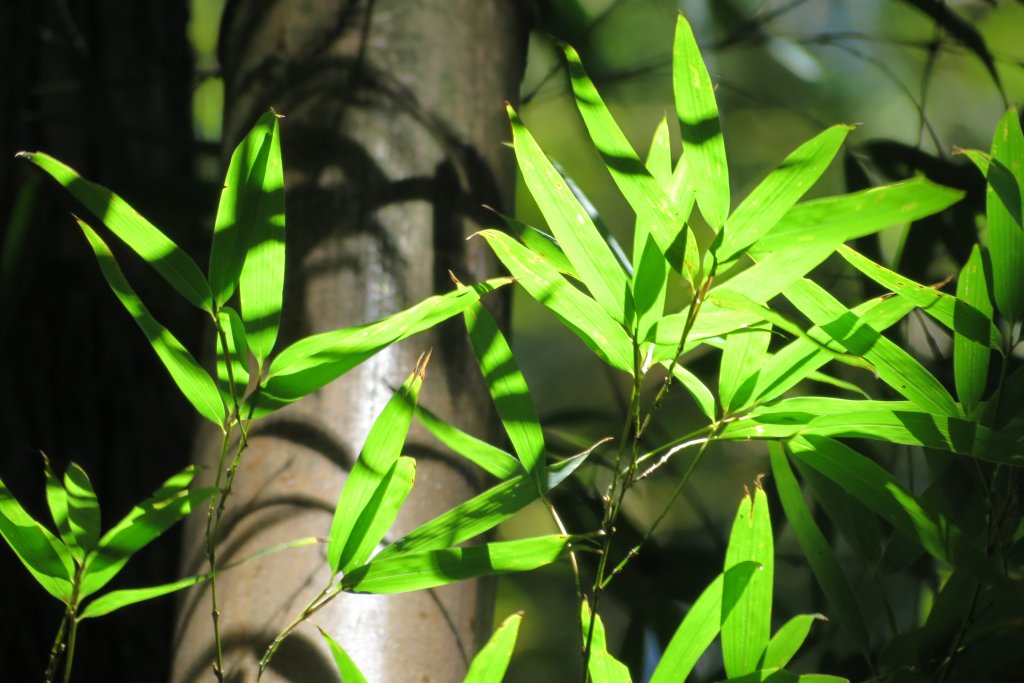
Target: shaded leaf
<point>233,382</point>
<point>1004,196</point>
<point>491,662</point>
<point>602,665</point>
<point>970,357</point>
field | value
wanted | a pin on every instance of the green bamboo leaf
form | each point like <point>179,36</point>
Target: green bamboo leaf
<point>970,357</point>
<point>83,508</point>
<point>602,665</point>
<point>374,487</point>
<point>508,388</point>
<point>773,675</point>
<point>787,641</point>
<point>230,324</point>
<point>194,382</point>
<point>819,553</point>
<point>894,366</point>
<point>57,501</point>
<point>853,519</point>
<point>177,267</point>
<point>703,397</point>
<point>44,556</point>
<point>491,663</point>
<point>310,363</point>
<point>703,144</point>
<point>347,669</point>
<point>491,459</point>
<point>846,217</point>
<point>1004,196</point>
<point>261,283</point>
<point>419,570</point>
<point>239,202</point>
<point>571,225</point>
<point>887,498</point>
<point>981,160</point>
<point>747,604</point>
<point>650,271</point>
<point>744,355</point>
<point>777,193</point>
<point>576,310</point>
<point>171,503</point>
<point>700,626</point>
<point>779,270</point>
<point>482,512</point>
<point>542,244</point>
<point>959,316</point>
<point>646,194</point>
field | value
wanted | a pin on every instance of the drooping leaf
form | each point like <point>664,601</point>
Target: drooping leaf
<point>194,382</point>
<point>43,555</point>
<point>177,267</point>
<point>261,283</point>
<point>787,641</point>
<point>819,553</point>
<point>311,363</point>
<point>571,225</point>
<point>698,629</point>
<point>171,503</point>
<point>419,570</point>
<point>703,144</point>
<point>602,665</point>
<point>894,366</point>
<point>970,357</point>
<point>491,459</point>
<point>233,381</point>
<point>508,388</point>
<point>491,662</point>
<point>747,604</point>
<point>83,508</point>
<point>347,669</point>
<point>1004,197</point>
<point>374,480</point>
<point>576,310</point>
<point>777,193</point>
<point>703,397</point>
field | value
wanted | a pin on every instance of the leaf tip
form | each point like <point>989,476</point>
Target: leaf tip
<point>24,155</point>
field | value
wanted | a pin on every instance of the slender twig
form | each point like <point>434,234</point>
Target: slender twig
<point>316,604</point>
<point>57,649</point>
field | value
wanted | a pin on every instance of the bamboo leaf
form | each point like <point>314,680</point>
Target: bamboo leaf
<point>374,480</point>
<point>747,604</point>
<point>57,501</point>
<point>894,366</point>
<point>171,503</point>
<point>602,665</point>
<point>702,396</point>
<point>970,357</point>
<point>700,626</point>
<point>508,388</point>
<point>419,570</point>
<point>778,271</point>
<point>347,669</point>
<point>703,144</point>
<point>230,323</point>
<point>787,641</point>
<point>177,267</point>
<point>571,225</point>
<point>491,662</point>
<point>491,459</point>
<point>777,193</point>
<point>1004,196</point>
<point>261,283</point>
<point>83,508</point>
<point>310,363</point>
<point>43,555</point>
<point>846,217</point>
<point>195,384</point>
<point>744,355</point>
<point>542,244</point>
<point>981,160</point>
<point>576,310</point>
<point>826,568</point>
<point>959,316</point>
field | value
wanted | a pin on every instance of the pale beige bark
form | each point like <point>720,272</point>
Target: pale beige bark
<point>392,141</point>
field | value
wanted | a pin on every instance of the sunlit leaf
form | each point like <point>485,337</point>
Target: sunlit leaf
<point>83,508</point>
<point>571,225</point>
<point>744,355</point>
<point>57,501</point>
<point>787,641</point>
<point>419,570</point>
<point>703,144</point>
<point>1003,203</point>
<point>508,388</point>
<point>700,626</point>
<point>818,551</point>
<point>777,193</point>
<point>194,382</point>
<point>970,357</point>
<point>491,662</point>
<point>311,363</point>
<point>375,480</point>
<point>143,237</point>
<point>45,557</point>
<point>602,665</point>
<point>541,243</point>
<point>703,397</point>
<point>233,381</point>
<point>491,459</point>
<point>347,668</point>
<point>747,604</point>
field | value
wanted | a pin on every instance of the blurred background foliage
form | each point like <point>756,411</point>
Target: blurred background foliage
<point>921,77</point>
